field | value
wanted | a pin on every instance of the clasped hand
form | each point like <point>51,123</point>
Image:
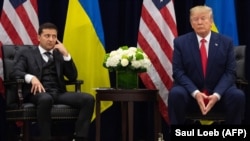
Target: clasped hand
<point>205,108</point>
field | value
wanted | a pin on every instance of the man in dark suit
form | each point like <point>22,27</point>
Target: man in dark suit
<point>209,87</point>
<point>44,69</point>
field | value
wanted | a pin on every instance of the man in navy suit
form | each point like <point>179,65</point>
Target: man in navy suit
<point>44,69</point>
<point>192,87</point>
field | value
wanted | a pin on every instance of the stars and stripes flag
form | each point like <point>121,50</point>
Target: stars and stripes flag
<point>156,33</point>
<point>18,25</point>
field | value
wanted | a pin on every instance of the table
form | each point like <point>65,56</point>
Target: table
<point>127,97</point>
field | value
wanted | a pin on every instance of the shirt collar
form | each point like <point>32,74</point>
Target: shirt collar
<point>207,38</point>
<point>42,50</point>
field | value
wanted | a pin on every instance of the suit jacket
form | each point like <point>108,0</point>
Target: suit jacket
<point>30,61</point>
<point>221,65</point>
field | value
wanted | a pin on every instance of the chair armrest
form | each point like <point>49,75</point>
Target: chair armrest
<point>241,84</point>
<point>77,84</point>
<point>18,82</point>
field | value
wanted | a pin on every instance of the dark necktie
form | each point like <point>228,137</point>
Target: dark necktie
<point>203,53</point>
<point>49,55</point>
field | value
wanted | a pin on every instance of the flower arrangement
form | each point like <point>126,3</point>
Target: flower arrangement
<point>127,59</point>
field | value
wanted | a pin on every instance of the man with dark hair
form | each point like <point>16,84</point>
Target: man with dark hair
<point>44,69</point>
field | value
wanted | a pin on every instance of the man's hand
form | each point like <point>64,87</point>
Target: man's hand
<point>201,97</point>
<point>60,47</point>
<point>212,99</point>
<point>37,87</point>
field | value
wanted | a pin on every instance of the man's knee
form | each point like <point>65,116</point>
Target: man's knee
<point>177,93</point>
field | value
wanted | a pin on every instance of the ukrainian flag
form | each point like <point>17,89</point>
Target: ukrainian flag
<point>84,39</point>
<point>224,18</point>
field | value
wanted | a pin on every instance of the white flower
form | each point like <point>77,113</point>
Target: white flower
<point>127,59</point>
<point>113,61</point>
<point>136,64</point>
<point>124,62</point>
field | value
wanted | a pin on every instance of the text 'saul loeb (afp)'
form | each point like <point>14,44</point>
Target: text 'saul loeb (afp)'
<point>218,132</point>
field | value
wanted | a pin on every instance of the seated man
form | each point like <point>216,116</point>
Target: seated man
<point>44,69</point>
<point>204,80</point>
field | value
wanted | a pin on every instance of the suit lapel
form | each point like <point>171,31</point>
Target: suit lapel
<point>195,53</point>
<point>38,59</point>
<point>57,62</point>
<point>213,49</point>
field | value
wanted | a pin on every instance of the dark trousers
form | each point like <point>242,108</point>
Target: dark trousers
<point>2,119</point>
<point>44,101</point>
<point>180,102</point>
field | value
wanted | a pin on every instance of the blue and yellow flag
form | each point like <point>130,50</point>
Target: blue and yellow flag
<point>84,39</point>
<point>224,18</point>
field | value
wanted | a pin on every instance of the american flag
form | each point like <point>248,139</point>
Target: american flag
<point>18,25</point>
<point>156,33</point>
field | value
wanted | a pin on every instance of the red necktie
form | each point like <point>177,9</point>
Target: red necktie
<point>204,62</point>
<point>203,56</point>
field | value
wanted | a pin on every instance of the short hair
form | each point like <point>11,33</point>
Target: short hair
<point>47,25</point>
<point>202,8</point>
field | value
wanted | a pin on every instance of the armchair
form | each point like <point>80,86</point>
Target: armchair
<point>16,108</point>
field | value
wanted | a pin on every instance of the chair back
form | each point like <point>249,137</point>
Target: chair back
<point>9,52</point>
<point>240,54</point>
